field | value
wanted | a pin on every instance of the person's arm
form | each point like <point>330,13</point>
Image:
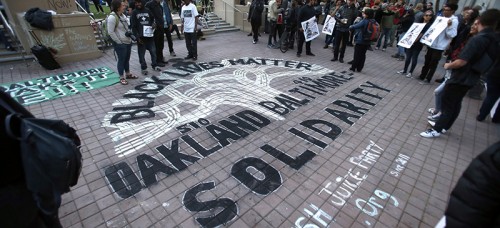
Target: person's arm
<point>134,23</point>
<point>112,25</point>
<point>451,29</point>
<point>458,63</point>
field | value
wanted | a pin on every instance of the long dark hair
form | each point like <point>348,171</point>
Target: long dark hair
<point>115,5</point>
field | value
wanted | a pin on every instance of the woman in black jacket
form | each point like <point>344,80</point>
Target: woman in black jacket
<point>404,25</point>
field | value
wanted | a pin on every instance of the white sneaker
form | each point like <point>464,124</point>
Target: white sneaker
<point>144,72</point>
<point>431,111</point>
<point>157,68</point>
<point>431,133</point>
<point>434,117</point>
<point>408,75</point>
<point>401,72</point>
<point>432,123</point>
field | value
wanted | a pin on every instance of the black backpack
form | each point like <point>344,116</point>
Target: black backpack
<point>50,154</point>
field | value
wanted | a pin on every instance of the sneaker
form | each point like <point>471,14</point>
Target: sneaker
<point>408,75</point>
<point>188,57</point>
<point>298,54</point>
<point>424,83</point>
<point>383,49</point>
<point>157,68</point>
<point>173,53</point>
<point>432,123</point>
<point>195,58</point>
<point>395,56</point>
<point>430,133</point>
<point>310,54</point>
<point>433,118</point>
<point>376,48</point>
<point>432,111</point>
<point>254,42</point>
<point>401,58</point>
<point>160,64</point>
<point>325,47</point>
<point>401,72</point>
<point>144,72</point>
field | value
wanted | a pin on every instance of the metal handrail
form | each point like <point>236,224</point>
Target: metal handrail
<point>14,37</point>
<point>236,10</point>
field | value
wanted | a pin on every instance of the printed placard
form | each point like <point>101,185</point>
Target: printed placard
<point>310,28</point>
<point>411,36</point>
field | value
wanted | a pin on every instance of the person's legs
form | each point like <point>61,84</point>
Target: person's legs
<point>291,38</point>
<point>194,46</point>
<point>345,37</point>
<point>450,108</point>
<point>362,57</point>
<point>128,48</point>
<point>392,34</point>
<point>300,42</point>
<point>356,58</point>
<point>272,32</point>
<point>408,52</point>
<point>414,60</point>
<point>141,51</point>
<point>170,44</point>
<point>121,54</point>
<point>189,36</point>
<point>387,32</point>
<point>492,95</point>
<point>159,41</point>
<point>336,49</point>
<point>438,94</point>
<point>427,62</point>
<point>434,61</point>
<point>401,50</point>
<point>150,46</point>
<point>255,30</point>
<point>308,47</point>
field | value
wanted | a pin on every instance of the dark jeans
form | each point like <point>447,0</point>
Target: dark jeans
<point>341,39</point>
<point>98,6</point>
<point>431,62</point>
<point>123,53</point>
<point>147,44</point>
<point>359,56</point>
<point>159,43</point>
<point>168,34</point>
<point>452,97</point>
<point>176,29</point>
<point>492,95</point>
<point>255,29</point>
<point>191,46</point>
<point>272,32</point>
<point>300,43</point>
<point>385,33</point>
<point>411,56</point>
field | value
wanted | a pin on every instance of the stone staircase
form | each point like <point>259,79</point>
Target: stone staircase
<point>7,56</point>
<point>215,25</point>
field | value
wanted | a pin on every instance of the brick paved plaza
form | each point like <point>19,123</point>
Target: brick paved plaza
<point>252,137</point>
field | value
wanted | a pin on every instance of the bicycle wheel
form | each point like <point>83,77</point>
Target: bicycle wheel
<point>284,42</point>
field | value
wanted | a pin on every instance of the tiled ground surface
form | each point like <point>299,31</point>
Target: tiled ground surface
<point>403,180</point>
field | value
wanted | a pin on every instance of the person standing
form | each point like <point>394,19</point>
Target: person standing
<point>117,28</point>
<point>435,51</point>
<point>405,23</point>
<point>386,23</point>
<point>345,17</point>
<point>361,45</point>
<point>463,75</point>
<point>98,6</point>
<point>156,9</point>
<point>255,18</point>
<point>142,24</point>
<point>306,12</point>
<point>168,26</point>
<point>189,18</point>
<point>272,17</point>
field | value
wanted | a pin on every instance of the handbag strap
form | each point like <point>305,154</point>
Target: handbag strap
<point>8,119</point>
<point>35,37</point>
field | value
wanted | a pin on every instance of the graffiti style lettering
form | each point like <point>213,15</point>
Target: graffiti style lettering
<point>295,163</point>
<point>123,180</point>
<point>191,202</point>
<point>270,183</point>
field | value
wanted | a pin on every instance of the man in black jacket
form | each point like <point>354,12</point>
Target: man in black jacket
<point>305,13</point>
<point>155,7</point>
<point>255,18</point>
<point>344,17</point>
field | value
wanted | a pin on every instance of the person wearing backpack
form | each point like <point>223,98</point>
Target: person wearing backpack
<point>361,44</point>
<point>117,28</point>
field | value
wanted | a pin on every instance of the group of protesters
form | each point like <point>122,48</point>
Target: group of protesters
<point>466,40</point>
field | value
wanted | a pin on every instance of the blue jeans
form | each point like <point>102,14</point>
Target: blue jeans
<point>401,50</point>
<point>385,33</point>
<point>411,56</point>
<point>123,53</point>
<point>147,44</point>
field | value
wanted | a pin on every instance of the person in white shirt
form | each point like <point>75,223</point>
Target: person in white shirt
<point>189,25</point>
<point>435,51</point>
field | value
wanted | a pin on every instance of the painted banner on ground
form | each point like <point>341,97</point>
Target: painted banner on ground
<point>411,36</point>
<point>436,28</point>
<point>329,25</point>
<point>51,87</point>
<point>310,28</point>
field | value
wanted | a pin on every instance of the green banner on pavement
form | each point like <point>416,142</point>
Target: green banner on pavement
<point>51,87</point>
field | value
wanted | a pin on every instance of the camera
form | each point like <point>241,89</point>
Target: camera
<point>131,36</point>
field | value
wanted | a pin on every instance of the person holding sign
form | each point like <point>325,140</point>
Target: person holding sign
<point>440,43</point>
<point>362,45</point>
<point>344,17</point>
<point>306,12</point>
<point>143,28</point>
